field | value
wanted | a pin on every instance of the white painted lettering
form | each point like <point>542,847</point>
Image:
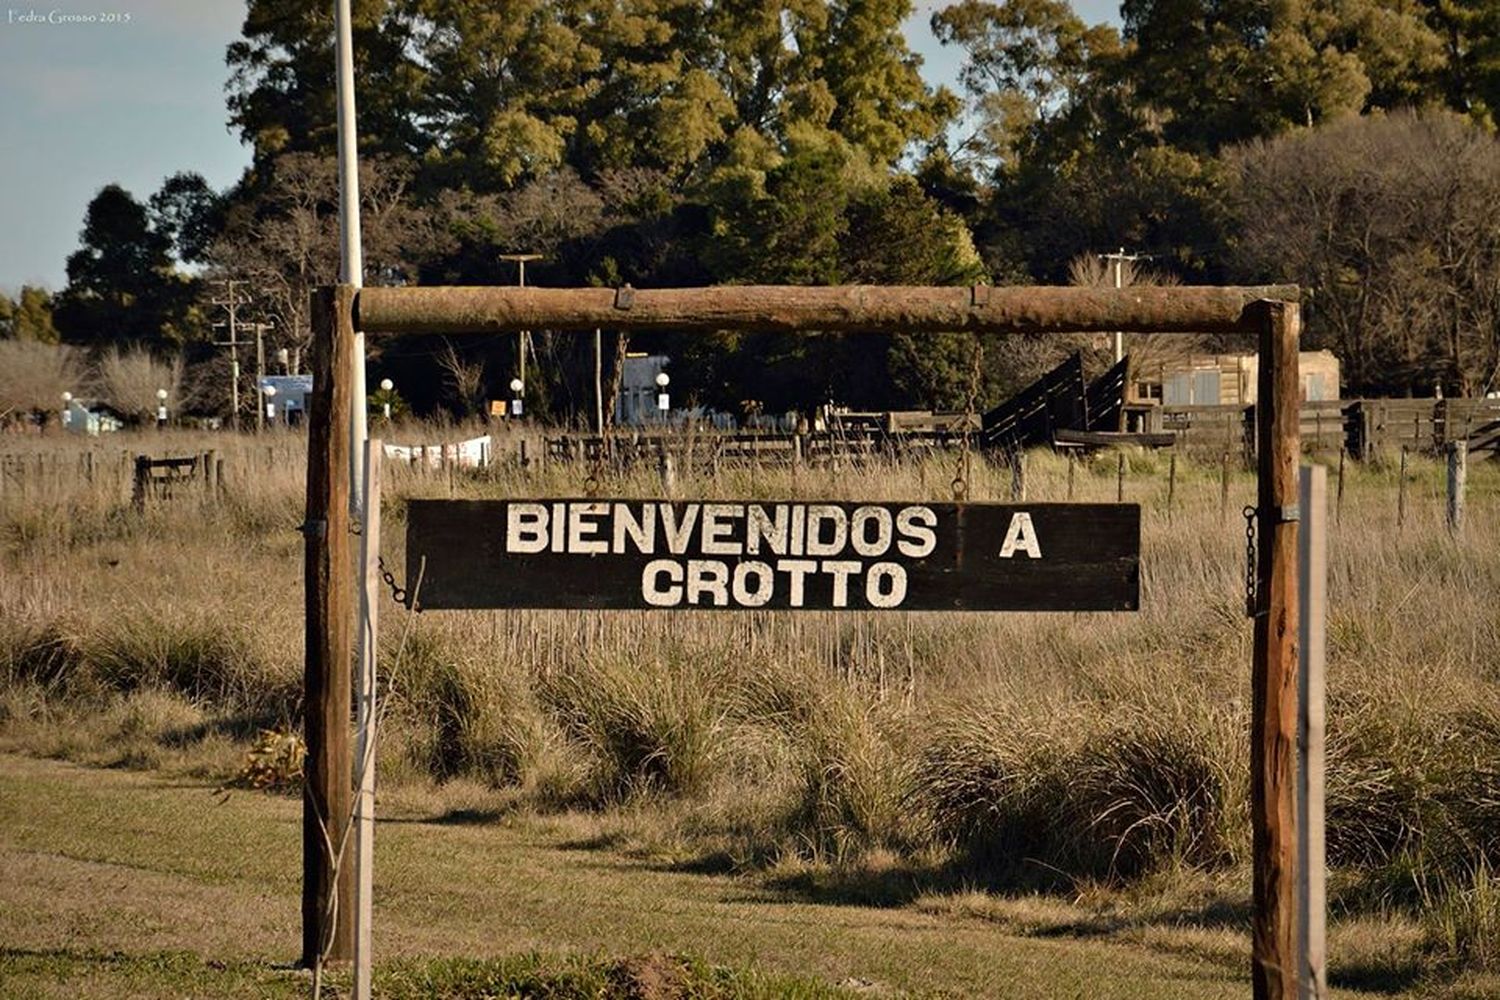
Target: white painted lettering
<point>842,570</point>
<point>916,524</point>
<point>678,534</point>
<point>819,515</point>
<point>860,526</point>
<point>718,526</point>
<point>707,577</point>
<point>885,585</point>
<point>797,569</point>
<point>653,592</point>
<point>641,533</point>
<point>765,584</point>
<point>581,530</point>
<point>762,527</point>
<point>1020,536</point>
<point>525,527</point>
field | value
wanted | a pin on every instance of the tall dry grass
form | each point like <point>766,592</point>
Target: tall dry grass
<point>1022,750</point>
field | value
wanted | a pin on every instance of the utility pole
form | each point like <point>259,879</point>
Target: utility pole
<point>230,301</point>
<point>1117,268</point>
<point>260,372</point>
<point>522,336</point>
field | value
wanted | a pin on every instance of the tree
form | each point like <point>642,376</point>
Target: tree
<point>122,285</point>
<point>1391,223</point>
<point>30,318</point>
<point>131,379</point>
<point>33,377</point>
<point>1024,61</point>
<point>189,214</point>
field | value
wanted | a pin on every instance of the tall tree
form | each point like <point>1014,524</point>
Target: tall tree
<point>122,285</point>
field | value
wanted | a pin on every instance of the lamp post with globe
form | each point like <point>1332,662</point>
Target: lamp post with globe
<point>270,394</point>
<point>387,387</point>
<point>663,400</point>
<point>67,409</point>
<point>517,387</point>
<point>161,409</point>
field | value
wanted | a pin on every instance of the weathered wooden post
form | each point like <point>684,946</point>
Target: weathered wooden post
<point>1274,673</point>
<point>329,598</point>
<point>1458,479</point>
<point>1171,482</point>
<point>1120,480</point>
<point>1401,493</point>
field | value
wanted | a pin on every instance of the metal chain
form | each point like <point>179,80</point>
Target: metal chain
<point>961,470</point>
<point>1249,514</point>
<point>398,593</point>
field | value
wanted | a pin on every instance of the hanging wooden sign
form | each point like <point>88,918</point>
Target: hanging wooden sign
<point>796,555</point>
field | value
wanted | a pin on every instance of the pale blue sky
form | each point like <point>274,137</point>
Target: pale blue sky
<point>130,102</point>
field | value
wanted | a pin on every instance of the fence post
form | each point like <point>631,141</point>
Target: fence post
<point>1223,487</point>
<point>1120,480</point>
<point>1401,492</point>
<point>1458,478</point>
<point>1017,476</point>
<point>668,472</point>
<point>329,596</point>
<point>142,481</point>
<point>1311,854</point>
<point>1171,482</point>
<point>1274,671</point>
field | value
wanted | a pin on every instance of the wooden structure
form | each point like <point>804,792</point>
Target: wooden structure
<point>340,313</point>
<point>161,478</point>
<point>1231,380</point>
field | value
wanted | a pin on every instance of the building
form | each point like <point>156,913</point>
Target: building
<point>87,416</point>
<point>1230,380</point>
<point>637,404</point>
<point>289,399</point>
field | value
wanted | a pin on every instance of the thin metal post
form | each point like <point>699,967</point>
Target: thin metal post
<point>1312,587</point>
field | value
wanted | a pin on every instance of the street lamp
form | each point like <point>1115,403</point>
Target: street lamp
<point>161,408</point>
<point>663,401</point>
<point>516,386</point>
<point>386,385</point>
<point>67,414</point>
<point>270,392</point>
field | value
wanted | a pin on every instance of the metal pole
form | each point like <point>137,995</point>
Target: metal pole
<point>1311,855</point>
<point>598,382</point>
<point>1119,262</point>
<point>260,374</point>
<point>351,256</point>
<point>366,718</point>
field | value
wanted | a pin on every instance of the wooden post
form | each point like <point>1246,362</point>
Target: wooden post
<point>1312,618</point>
<point>1273,820</point>
<point>366,718</point>
<point>1071,462</point>
<point>1224,487</point>
<point>1120,480</point>
<point>329,596</point>
<point>143,482</point>
<point>1338,503</point>
<point>1017,476</point>
<point>1401,493</point>
<point>1458,478</point>
<point>1171,482</point>
<point>668,473</point>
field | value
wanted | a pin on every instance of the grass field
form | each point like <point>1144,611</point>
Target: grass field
<point>1008,805</point>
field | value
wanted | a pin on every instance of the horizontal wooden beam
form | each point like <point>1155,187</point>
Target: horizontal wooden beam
<point>840,309</point>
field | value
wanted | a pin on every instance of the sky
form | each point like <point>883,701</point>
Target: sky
<point>131,91</point>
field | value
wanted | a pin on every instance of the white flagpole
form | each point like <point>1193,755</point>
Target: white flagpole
<point>352,272</point>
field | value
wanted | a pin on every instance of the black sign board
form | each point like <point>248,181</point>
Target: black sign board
<point>613,553</point>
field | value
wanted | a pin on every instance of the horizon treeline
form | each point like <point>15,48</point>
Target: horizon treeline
<point>1345,146</point>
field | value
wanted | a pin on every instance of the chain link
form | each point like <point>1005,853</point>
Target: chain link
<point>398,593</point>
<point>1249,514</point>
<point>962,468</point>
